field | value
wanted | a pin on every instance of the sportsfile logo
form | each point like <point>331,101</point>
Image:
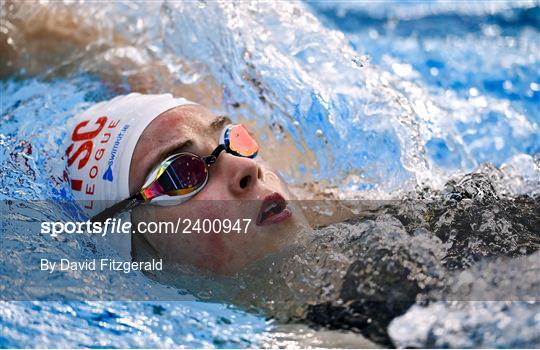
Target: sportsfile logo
<point>108,174</point>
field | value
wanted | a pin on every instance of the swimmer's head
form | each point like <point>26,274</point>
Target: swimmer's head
<point>102,141</point>
<point>243,194</point>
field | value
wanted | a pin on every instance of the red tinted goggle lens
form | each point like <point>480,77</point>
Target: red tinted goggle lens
<point>239,142</point>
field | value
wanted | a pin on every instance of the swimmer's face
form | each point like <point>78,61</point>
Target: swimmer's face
<point>238,189</point>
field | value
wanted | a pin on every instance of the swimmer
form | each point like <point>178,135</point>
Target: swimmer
<point>352,277</point>
<point>171,158</point>
<point>117,149</point>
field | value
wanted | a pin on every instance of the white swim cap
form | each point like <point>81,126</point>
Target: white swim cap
<point>102,140</point>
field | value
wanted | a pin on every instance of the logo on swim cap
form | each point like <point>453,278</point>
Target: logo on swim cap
<point>108,175</point>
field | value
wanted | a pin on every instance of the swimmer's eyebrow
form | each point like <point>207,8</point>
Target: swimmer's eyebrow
<point>216,125</point>
<point>220,122</point>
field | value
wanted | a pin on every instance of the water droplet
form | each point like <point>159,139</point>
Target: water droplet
<point>402,69</point>
<point>373,33</point>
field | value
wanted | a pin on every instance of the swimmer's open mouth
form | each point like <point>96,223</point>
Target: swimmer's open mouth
<point>274,209</point>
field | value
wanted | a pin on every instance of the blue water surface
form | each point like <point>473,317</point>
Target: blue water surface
<point>377,96</point>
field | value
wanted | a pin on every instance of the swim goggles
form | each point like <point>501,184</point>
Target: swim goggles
<point>182,175</point>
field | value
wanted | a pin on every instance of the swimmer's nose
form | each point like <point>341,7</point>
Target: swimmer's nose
<point>242,173</point>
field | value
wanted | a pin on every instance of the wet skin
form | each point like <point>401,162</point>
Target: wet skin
<point>236,189</point>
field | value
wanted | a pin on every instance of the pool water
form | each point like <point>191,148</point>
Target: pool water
<point>379,99</point>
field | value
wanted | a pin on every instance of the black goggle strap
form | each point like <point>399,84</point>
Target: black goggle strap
<point>118,208</point>
<point>217,151</point>
<point>212,158</point>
